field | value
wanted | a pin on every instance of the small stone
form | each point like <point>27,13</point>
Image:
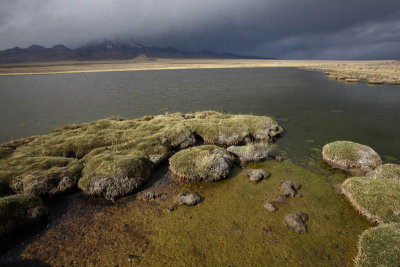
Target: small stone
<point>149,195</point>
<point>304,216</point>
<point>270,207</point>
<point>189,200</point>
<point>281,199</point>
<point>189,116</point>
<point>337,188</point>
<point>172,208</point>
<point>299,195</point>
<point>279,158</point>
<point>289,188</point>
<point>295,223</point>
<point>256,175</point>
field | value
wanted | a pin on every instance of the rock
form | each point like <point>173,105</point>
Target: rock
<point>279,158</point>
<point>172,207</point>
<point>348,156</point>
<point>270,207</point>
<point>337,188</point>
<point>48,182</point>
<point>201,164</point>
<point>20,210</point>
<point>149,195</point>
<point>252,152</point>
<point>295,223</point>
<point>189,200</point>
<point>289,188</point>
<point>304,216</point>
<point>352,80</point>
<point>256,175</point>
<point>113,176</point>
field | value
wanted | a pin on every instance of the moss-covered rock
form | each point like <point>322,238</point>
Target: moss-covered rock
<point>112,176</point>
<point>386,171</point>
<point>52,163</point>
<point>379,246</point>
<point>251,152</point>
<point>227,130</point>
<point>18,210</point>
<point>350,156</point>
<point>377,199</point>
<point>203,163</point>
<point>55,180</point>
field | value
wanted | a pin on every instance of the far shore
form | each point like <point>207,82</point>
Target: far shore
<point>370,71</point>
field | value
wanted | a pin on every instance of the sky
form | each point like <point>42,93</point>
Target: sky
<point>287,29</point>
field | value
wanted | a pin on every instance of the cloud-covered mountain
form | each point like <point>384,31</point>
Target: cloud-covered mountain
<point>106,50</point>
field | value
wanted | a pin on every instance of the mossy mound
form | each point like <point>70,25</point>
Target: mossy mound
<point>387,171</point>
<point>203,163</point>
<point>227,130</point>
<point>112,176</point>
<point>379,246</point>
<point>347,156</point>
<point>52,164</point>
<point>251,152</point>
<point>18,210</point>
<point>377,199</point>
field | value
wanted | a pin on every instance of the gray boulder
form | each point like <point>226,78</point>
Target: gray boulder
<point>289,188</point>
<point>295,223</point>
<point>189,200</point>
<point>256,175</point>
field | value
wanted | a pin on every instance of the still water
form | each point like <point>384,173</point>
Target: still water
<point>312,109</point>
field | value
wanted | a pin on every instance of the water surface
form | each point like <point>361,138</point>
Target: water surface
<point>312,109</point>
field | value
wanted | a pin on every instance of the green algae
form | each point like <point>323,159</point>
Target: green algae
<point>230,227</point>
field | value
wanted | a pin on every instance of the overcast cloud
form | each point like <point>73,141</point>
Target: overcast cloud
<point>325,29</point>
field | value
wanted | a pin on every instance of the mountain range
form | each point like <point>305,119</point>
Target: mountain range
<point>105,50</point>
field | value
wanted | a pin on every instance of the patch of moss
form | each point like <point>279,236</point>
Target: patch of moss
<point>202,163</point>
<point>229,227</point>
<point>346,155</point>
<point>379,246</point>
<point>227,130</point>
<point>17,210</point>
<point>50,158</point>
<point>387,171</point>
<point>112,175</point>
<point>377,199</point>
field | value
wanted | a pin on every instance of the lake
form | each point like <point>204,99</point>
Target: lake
<point>312,109</point>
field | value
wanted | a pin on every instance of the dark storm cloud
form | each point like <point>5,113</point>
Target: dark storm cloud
<point>279,28</point>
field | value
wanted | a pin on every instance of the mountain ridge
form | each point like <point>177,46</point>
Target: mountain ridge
<point>105,50</point>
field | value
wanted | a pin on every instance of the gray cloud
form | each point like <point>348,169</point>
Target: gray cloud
<point>284,29</point>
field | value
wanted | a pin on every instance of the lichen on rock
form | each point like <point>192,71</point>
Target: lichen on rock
<point>386,171</point>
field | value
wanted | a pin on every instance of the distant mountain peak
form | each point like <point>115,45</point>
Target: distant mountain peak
<point>104,50</point>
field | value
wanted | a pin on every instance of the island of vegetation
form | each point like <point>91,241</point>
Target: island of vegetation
<point>375,194</point>
<point>112,158</point>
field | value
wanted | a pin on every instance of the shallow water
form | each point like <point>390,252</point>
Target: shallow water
<point>230,226</point>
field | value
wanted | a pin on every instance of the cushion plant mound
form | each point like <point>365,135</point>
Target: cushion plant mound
<point>251,152</point>
<point>347,156</point>
<point>52,163</point>
<point>379,246</point>
<point>113,176</point>
<point>388,171</point>
<point>203,163</point>
<point>18,210</point>
<point>377,199</point>
<point>58,179</point>
<point>226,130</point>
